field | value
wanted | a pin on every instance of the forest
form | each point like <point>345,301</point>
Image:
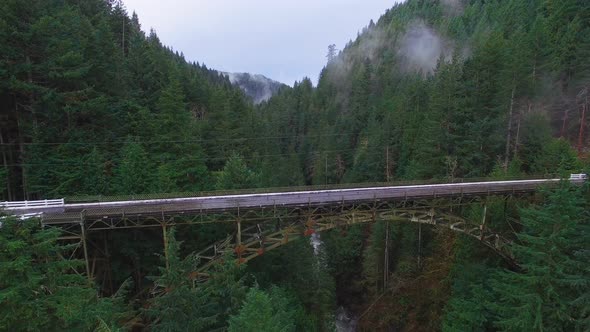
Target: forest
<point>92,106</point>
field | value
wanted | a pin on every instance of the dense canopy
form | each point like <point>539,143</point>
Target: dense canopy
<point>435,89</point>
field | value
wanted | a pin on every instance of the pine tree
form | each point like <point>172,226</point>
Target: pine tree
<point>133,174</point>
<point>235,175</point>
<point>180,159</point>
<point>40,291</point>
<point>264,311</point>
<point>180,308</point>
<point>549,294</point>
<point>4,183</point>
<point>186,306</point>
<point>557,157</point>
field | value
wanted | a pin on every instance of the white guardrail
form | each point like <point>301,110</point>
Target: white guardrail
<point>22,205</point>
<point>31,204</point>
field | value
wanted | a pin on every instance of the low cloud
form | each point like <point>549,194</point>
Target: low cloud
<point>421,47</point>
<point>259,87</point>
<point>452,7</point>
<point>371,43</point>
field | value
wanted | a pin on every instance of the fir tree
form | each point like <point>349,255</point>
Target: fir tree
<point>264,311</point>
<point>133,175</point>
<point>39,290</point>
<point>180,306</point>
<point>549,293</point>
<point>235,175</point>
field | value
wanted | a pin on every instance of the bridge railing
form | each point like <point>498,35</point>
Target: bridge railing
<point>102,198</point>
<point>16,205</point>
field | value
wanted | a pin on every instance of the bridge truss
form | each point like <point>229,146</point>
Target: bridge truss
<point>261,229</point>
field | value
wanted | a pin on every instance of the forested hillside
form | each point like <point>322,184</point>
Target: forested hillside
<point>258,87</point>
<point>433,90</point>
<point>92,105</point>
<point>443,90</point>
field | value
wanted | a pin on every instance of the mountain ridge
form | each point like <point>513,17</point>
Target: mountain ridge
<point>256,86</point>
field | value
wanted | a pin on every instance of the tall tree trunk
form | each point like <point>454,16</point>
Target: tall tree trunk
<point>534,75</point>
<point>20,123</point>
<point>20,153</point>
<point>581,130</point>
<point>31,94</point>
<point>509,129</point>
<point>516,140</point>
<point>565,116</point>
<point>582,125</point>
<point>5,165</point>
<point>21,157</point>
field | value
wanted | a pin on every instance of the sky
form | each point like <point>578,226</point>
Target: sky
<point>285,40</point>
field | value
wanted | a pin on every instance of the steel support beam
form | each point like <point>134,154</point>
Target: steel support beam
<point>262,229</point>
<point>85,247</point>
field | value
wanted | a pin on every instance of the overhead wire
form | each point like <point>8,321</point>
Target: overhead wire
<point>200,140</point>
<point>251,158</point>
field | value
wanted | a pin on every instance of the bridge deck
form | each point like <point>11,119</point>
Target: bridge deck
<point>210,204</point>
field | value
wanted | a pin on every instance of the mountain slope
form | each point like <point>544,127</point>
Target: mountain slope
<point>93,97</point>
<point>258,87</point>
<point>444,89</point>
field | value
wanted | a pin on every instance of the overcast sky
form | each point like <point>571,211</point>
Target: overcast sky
<point>285,40</point>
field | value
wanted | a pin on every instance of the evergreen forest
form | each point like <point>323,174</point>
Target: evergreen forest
<point>93,107</point>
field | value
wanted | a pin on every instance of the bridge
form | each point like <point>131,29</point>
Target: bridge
<point>267,220</point>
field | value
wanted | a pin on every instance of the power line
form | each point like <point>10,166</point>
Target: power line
<point>200,140</point>
<point>252,158</point>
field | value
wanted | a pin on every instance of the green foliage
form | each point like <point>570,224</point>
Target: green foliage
<point>468,312</point>
<point>558,157</point>
<point>186,306</point>
<point>134,174</point>
<point>550,293</point>
<point>510,74</point>
<point>306,276</point>
<point>265,311</point>
<point>40,291</point>
<point>4,182</point>
<point>236,175</point>
<point>89,78</point>
<point>344,249</point>
<point>467,309</point>
<point>373,117</point>
<point>179,307</point>
<point>372,264</point>
<point>225,292</point>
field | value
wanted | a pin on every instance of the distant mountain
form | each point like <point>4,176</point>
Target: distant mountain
<point>258,87</point>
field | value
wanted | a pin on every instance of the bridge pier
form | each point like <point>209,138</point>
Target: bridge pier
<point>165,239</point>
<point>419,245</point>
<point>239,249</point>
<point>85,246</point>
<point>386,258</point>
<point>483,220</point>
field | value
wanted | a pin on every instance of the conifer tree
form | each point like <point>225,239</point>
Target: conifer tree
<point>133,174</point>
<point>549,294</point>
<point>264,311</point>
<point>187,306</point>
<point>39,290</point>
<point>236,175</point>
<point>180,306</point>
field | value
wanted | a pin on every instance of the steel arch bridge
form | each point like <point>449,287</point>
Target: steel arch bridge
<point>270,233</point>
<point>268,220</point>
